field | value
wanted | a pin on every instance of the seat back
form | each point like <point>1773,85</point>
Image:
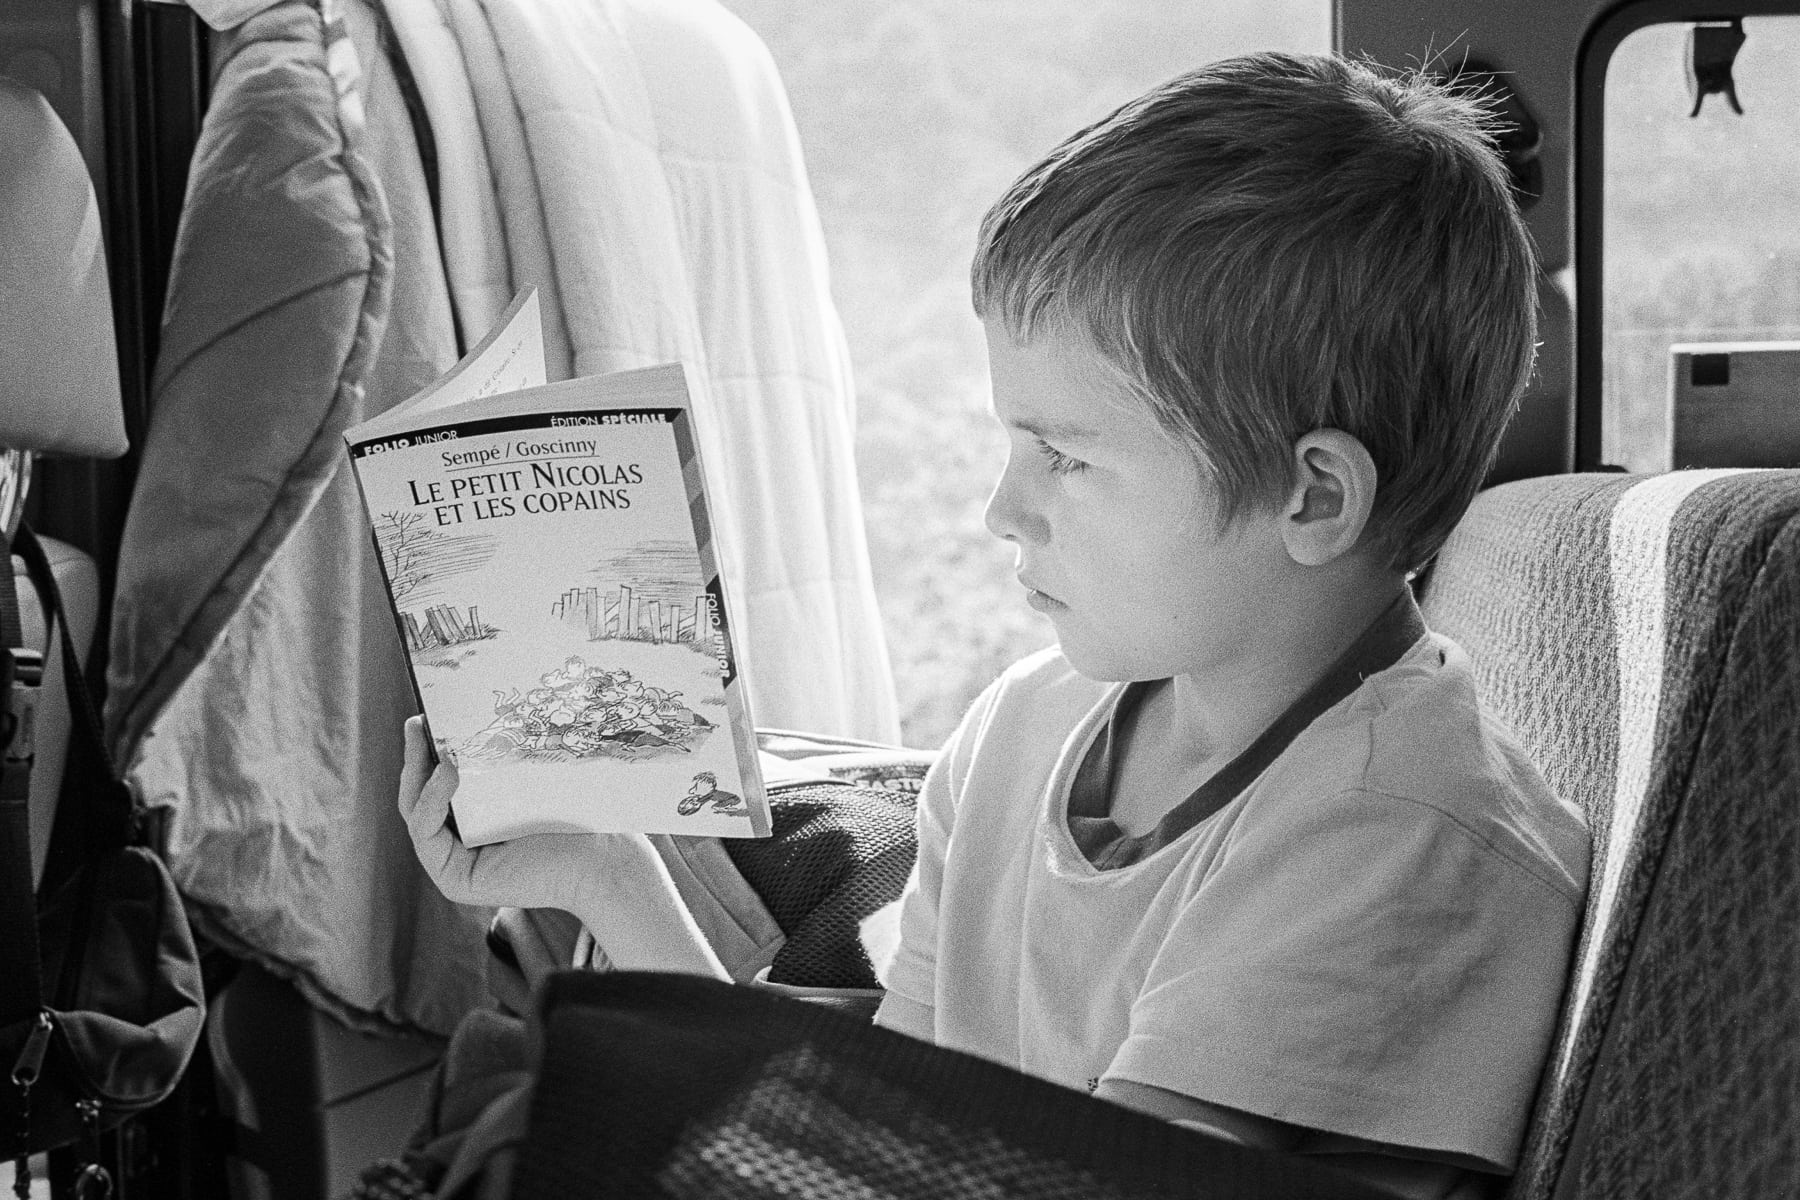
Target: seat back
<point>59,377</point>
<point>1641,636</point>
<point>59,382</point>
<point>676,1085</point>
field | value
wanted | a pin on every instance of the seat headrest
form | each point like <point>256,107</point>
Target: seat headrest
<point>59,372</point>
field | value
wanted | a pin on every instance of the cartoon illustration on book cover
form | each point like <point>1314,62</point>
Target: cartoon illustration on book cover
<point>590,706</point>
<point>706,790</point>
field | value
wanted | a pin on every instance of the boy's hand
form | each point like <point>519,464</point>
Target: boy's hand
<point>535,872</point>
<point>616,883</point>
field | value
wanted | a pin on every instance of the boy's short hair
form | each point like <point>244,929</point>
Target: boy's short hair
<point>1277,243</point>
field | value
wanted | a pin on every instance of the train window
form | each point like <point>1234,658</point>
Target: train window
<point>1701,226</point>
<point>914,115</point>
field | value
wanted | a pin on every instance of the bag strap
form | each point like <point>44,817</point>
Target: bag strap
<point>21,982</point>
<point>111,817</point>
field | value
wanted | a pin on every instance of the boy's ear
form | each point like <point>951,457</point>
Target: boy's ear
<point>1328,505</point>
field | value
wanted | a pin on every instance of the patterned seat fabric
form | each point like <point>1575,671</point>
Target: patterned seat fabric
<point>676,1086</point>
<point>1641,637</point>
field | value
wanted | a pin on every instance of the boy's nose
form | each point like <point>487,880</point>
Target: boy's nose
<point>1009,517</point>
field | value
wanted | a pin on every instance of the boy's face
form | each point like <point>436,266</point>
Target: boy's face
<point>1115,527</point>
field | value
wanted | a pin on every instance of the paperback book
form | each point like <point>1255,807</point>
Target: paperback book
<point>548,554</point>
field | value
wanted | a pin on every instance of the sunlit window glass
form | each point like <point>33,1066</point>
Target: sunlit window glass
<point>1702,221</point>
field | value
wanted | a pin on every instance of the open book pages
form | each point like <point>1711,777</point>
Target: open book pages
<point>509,359</point>
<point>549,556</point>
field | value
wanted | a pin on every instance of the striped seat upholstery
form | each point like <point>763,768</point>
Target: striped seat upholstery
<point>1641,636</point>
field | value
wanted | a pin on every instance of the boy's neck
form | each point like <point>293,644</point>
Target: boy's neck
<point>1211,718</point>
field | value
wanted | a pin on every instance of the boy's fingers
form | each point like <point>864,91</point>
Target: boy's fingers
<point>449,863</point>
<point>425,794</point>
<point>415,774</point>
<point>415,765</point>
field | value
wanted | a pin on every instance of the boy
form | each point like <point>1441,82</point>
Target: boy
<point>1242,851</point>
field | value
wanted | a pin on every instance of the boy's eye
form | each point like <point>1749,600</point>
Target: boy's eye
<point>1060,463</point>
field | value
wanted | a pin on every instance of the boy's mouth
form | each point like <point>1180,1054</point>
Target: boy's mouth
<point>1041,601</point>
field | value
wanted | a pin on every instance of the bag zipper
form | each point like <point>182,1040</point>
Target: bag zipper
<point>93,1181</point>
<point>25,1073</point>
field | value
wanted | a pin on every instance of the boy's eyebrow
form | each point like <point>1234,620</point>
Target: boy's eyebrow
<point>1064,430</point>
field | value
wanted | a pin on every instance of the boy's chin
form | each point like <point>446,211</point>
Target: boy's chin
<point>1103,667</point>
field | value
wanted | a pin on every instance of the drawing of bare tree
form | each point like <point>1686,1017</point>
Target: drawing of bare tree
<point>421,560</point>
<point>403,540</point>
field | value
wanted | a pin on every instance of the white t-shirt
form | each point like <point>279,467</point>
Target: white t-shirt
<point>1372,939</point>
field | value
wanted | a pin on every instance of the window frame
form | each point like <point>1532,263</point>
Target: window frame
<point>1591,64</point>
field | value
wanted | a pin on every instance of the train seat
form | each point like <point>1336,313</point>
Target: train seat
<point>316,1102</point>
<point>59,395</point>
<point>59,382</point>
<point>1641,636</point>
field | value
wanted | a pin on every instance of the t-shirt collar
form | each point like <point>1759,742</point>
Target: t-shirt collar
<point>1384,643</point>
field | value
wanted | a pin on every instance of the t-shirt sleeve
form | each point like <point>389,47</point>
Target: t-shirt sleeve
<point>1365,965</point>
<point>912,975</point>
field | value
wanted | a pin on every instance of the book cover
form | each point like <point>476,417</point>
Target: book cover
<point>550,562</point>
